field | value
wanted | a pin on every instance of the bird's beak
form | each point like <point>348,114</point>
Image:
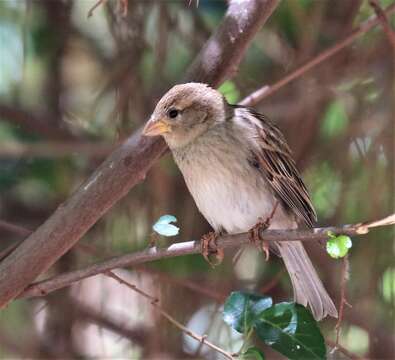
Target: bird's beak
<point>156,127</point>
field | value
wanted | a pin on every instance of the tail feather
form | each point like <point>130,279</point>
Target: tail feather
<point>308,288</point>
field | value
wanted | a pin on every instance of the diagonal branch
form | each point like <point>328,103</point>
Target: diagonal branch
<point>155,303</point>
<point>268,90</point>
<point>382,16</point>
<point>194,247</point>
<point>127,165</point>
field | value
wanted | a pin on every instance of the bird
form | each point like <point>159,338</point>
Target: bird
<point>239,170</point>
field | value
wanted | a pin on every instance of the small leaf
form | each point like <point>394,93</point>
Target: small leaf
<point>290,329</point>
<point>253,353</point>
<point>241,309</point>
<point>163,226</point>
<point>166,219</point>
<point>230,91</point>
<point>338,246</point>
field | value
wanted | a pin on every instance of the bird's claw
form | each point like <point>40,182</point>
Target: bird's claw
<point>255,236</point>
<point>209,246</point>
<point>255,232</point>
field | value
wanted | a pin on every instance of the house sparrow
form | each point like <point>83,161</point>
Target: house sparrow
<point>238,167</point>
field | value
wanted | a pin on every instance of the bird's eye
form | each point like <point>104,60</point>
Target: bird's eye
<point>173,113</point>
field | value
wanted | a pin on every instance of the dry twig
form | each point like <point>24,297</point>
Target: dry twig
<point>268,90</point>
<point>343,350</point>
<point>381,15</point>
<point>96,5</point>
<point>343,301</point>
<point>55,149</point>
<point>155,303</point>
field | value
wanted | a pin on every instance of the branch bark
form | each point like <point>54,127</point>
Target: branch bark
<point>193,247</point>
<point>127,165</point>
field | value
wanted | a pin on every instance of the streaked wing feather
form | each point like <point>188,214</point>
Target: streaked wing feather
<point>275,161</point>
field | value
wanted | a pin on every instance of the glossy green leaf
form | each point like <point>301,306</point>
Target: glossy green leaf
<point>338,246</point>
<point>253,353</point>
<point>290,329</point>
<point>163,226</point>
<point>241,309</point>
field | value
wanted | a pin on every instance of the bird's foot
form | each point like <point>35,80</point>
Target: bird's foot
<point>255,236</point>
<point>255,232</point>
<point>209,247</point>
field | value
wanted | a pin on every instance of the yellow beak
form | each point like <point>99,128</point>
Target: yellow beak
<point>156,127</point>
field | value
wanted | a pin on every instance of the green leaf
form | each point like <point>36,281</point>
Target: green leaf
<point>335,120</point>
<point>290,329</point>
<point>338,246</point>
<point>230,91</point>
<point>253,353</point>
<point>241,309</point>
<point>163,226</point>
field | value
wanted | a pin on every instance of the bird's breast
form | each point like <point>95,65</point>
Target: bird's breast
<point>229,192</point>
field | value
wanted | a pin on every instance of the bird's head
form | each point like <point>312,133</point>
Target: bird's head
<point>185,112</point>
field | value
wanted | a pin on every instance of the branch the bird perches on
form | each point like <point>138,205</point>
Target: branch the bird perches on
<point>42,288</point>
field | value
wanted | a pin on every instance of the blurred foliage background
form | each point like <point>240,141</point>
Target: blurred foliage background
<point>72,88</point>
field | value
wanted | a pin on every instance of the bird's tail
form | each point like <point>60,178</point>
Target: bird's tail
<point>308,288</point>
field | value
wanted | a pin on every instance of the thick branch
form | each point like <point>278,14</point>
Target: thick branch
<point>193,247</point>
<point>128,164</point>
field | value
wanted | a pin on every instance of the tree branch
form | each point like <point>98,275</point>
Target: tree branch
<point>127,165</point>
<point>381,15</point>
<point>155,303</point>
<point>42,288</point>
<point>37,124</point>
<point>268,90</point>
<point>55,149</point>
<point>137,335</point>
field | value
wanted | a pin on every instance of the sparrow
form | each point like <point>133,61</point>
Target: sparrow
<point>238,168</point>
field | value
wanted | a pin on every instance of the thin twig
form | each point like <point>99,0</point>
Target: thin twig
<point>155,303</point>
<point>36,123</point>
<point>96,5</point>
<point>268,90</point>
<point>124,7</point>
<point>16,229</point>
<point>272,283</point>
<point>343,300</point>
<point>202,289</point>
<point>384,21</point>
<point>9,249</point>
<point>42,288</point>
<point>54,149</point>
<point>13,228</point>
<point>138,335</point>
<point>343,350</point>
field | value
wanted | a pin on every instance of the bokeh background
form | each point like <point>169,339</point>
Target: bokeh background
<point>73,87</point>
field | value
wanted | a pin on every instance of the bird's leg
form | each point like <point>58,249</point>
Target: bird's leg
<point>209,246</point>
<point>255,232</point>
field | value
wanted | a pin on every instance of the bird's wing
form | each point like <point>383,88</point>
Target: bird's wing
<point>274,159</point>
